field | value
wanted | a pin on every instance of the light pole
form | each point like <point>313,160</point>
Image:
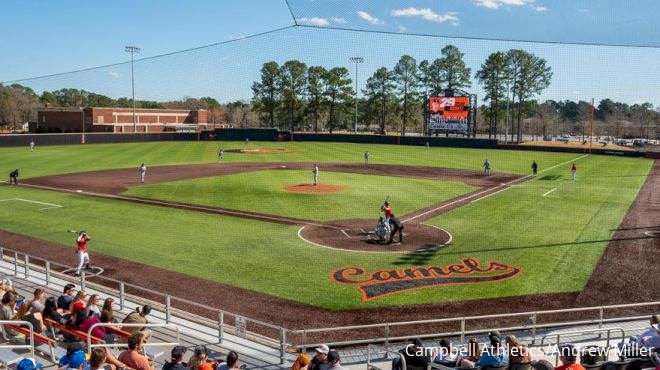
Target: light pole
<point>133,49</point>
<point>356,60</point>
<point>506,119</point>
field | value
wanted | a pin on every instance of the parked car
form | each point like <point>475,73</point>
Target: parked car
<point>621,142</point>
<point>638,142</point>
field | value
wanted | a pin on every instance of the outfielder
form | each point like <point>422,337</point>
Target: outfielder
<point>486,167</point>
<point>315,171</point>
<point>83,257</point>
<point>366,157</point>
<point>221,155</point>
<point>143,171</point>
<point>32,145</point>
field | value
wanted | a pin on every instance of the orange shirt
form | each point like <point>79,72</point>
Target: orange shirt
<point>388,211</point>
<point>570,367</point>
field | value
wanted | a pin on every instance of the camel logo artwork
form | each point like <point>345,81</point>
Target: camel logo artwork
<point>383,283</point>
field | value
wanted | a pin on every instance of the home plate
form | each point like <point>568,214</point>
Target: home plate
<point>283,166</point>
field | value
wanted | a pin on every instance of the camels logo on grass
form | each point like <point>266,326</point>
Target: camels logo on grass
<point>383,283</point>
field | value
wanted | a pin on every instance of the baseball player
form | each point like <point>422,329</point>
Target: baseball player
<point>143,171</point>
<point>221,155</point>
<point>366,157</point>
<point>13,175</point>
<point>247,142</point>
<point>535,168</point>
<point>396,225</point>
<point>387,210</point>
<point>32,145</point>
<point>573,171</point>
<point>83,257</point>
<point>315,171</point>
<point>486,167</point>
<point>381,229</point>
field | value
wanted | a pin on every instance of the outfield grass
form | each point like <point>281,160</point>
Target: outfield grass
<point>555,240</point>
<point>262,192</point>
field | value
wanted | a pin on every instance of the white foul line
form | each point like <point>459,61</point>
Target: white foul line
<point>50,205</point>
<point>548,192</point>
<point>505,185</point>
<point>344,232</point>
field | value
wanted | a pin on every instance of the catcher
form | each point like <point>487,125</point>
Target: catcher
<point>382,229</point>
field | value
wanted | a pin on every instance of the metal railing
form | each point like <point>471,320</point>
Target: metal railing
<point>371,366</point>
<point>269,335</point>
<point>19,346</point>
<point>583,332</point>
<point>90,346</point>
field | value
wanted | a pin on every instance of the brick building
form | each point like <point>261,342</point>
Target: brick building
<point>119,120</point>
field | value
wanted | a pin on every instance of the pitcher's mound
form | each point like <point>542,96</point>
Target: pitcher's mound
<point>311,188</point>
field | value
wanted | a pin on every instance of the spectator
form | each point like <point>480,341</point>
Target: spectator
<point>37,302</point>
<point>651,331</point>
<point>473,351</point>
<point>139,316</point>
<point>445,355</point>
<point>231,363</point>
<point>568,358</point>
<point>107,312</point>
<point>335,361</point>
<point>76,349</point>
<point>542,365</point>
<point>77,360</point>
<point>415,355</point>
<point>7,286</point>
<point>652,341</point>
<point>28,364</point>
<point>64,301</point>
<point>495,356</point>
<point>320,360</point>
<point>302,363</point>
<point>132,357</point>
<point>176,359</point>
<point>25,314</point>
<point>518,352</point>
<point>88,322</point>
<point>97,360</point>
<point>199,360</point>
<point>92,308</point>
<point>7,312</point>
<point>78,302</point>
<point>52,312</point>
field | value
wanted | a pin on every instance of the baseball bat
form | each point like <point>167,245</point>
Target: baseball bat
<point>386,199</point>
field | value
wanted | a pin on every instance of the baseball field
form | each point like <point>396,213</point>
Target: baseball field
<point>242,223</point>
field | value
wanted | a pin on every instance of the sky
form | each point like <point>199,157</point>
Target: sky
<point>228,41</point>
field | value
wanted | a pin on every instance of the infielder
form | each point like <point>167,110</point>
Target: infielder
<point>487,167</point>
<point>366,157</point>
<point>221,154</point>
<point>315,171</point>
<point>13,176</point>
<point>32,145</point>
<point>143,171</point>
<point>83,257</point>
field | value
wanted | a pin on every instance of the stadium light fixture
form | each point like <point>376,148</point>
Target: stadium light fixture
<point>132,50</point>
<point>356,60</point>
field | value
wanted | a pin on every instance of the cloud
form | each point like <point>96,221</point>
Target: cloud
<point>426,14</point>
<point>340,20</point>
<point>314,21</point>
<point>369,18</point>
<point>495,4</point>
<point>540,8</point>
<point>111,72</point>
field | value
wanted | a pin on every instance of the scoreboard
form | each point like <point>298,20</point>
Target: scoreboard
<point>449,113</point>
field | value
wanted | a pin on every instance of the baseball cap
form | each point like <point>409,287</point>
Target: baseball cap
<point>322,349</point>
<point>333,356</point>
<point>28,364</point>
<point>178,352</point>
<point>201,350</point>
<point>542,365</point>
<point>76,359</point>
<point>418,342</point>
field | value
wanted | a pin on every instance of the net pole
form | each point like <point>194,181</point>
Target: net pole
<point>591,125</point>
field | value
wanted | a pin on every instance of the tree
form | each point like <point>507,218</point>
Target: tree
<point>315,93</point>
<point>292,84</point>
<point>379,89</point>
<point>529,75</point>
<point>429,76</point>
<point>407,81</point>
<point>493,75</point>
<point>266,92</point>
<point>452,69</point>
<point>338,92</point>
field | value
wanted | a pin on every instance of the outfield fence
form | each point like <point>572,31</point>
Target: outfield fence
<point>282,343</point>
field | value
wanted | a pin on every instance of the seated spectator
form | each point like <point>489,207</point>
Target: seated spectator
<point>542,365</point>
<point>75,357</point>
<point>25,314</point>
<point>568,357</point>
<point>132,357</point>
<point>199,360</point>
<point>78,302</point>
<point>231,363</point>
<point>652,341</point>
<point>301,363</point>
<point>415,355</point>
<point>495,355</point>
<point>28,364</point>
<point>320,360</point>
<point>517,351</point>
<point>7,286</point>
<point>38,300</point>
<point>176,359</point>
<point>107,312</point>
<point>139,316</point>
<point>87,322</point>
<point>651,331</point>
<point>92,308</point>
<point>64,301</point>
<point>445,355</point>
<point>52,312</point>
<point>473,352</point>
<point>8,312</point>
<point>97,360</point>
<point>335,361</point>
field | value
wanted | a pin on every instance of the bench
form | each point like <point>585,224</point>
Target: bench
<point>74,333</point>
<point>55,352</point>
<point>152,352</point>
<point>8,357</point>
